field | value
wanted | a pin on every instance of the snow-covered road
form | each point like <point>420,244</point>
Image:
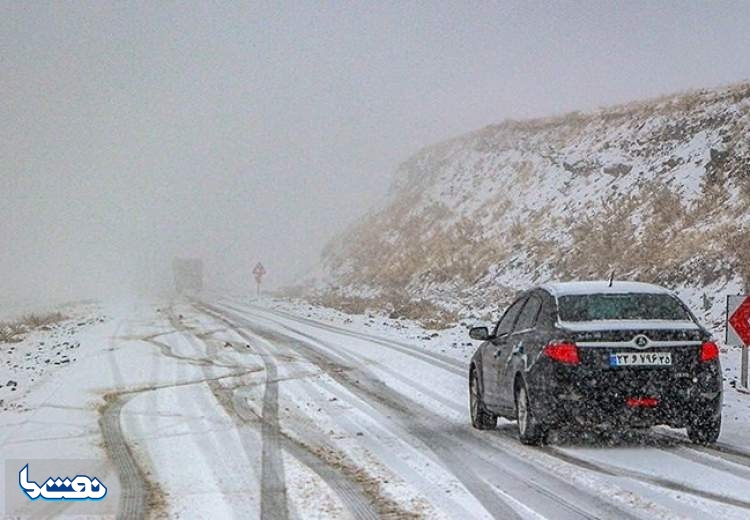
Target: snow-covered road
<point>226,409</point>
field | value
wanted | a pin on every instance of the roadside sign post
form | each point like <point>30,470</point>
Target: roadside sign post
<point>258,272</point>
<point>738,331</point>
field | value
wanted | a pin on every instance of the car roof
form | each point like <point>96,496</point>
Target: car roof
<point>602,287</point>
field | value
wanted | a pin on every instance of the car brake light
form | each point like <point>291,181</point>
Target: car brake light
<point>709,351</point>
<point>644,402</point>
<point>563,352</point>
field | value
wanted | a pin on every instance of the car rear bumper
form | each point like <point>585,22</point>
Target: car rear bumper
<point>676,404</point>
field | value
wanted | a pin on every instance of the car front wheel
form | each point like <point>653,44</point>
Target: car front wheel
<point>529,430</point>
<point>481,419</point>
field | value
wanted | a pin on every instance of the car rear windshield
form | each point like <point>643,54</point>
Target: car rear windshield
<point>590,307</point>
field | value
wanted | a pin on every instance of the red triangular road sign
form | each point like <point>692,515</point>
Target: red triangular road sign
<point>740,321</point>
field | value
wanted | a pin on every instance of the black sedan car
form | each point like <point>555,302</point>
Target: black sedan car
<point>612,354</point>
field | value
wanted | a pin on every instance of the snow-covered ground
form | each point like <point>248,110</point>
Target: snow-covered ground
<point>240,408</point>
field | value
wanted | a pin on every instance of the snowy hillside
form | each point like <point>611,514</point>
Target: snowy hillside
<point>659,191</point>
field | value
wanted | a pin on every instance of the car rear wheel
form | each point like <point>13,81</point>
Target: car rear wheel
<point>529,430</point>
<point>704,430</point>
<point>481,419</point>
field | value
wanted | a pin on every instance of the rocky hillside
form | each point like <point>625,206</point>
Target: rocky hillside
<point>657,191</point>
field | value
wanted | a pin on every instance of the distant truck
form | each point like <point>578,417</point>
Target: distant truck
<point>188,275</point>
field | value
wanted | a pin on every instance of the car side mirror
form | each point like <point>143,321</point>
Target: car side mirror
<point>480,333</point>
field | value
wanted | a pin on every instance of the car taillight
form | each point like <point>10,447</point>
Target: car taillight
<point>709,351</point>
<point>563,352</point>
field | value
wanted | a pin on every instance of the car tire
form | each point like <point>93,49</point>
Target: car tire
<point>481,419</point>
<point>704,430</point>
<point>530,432</point>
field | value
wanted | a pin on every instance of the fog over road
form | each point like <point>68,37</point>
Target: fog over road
<point>224,408</point>
<point>405,169</point>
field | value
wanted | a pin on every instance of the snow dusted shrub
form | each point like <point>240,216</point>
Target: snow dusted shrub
<point>8,334</point>
<point>17,328</point>
<point>738,245</point>
<point>603,241</point>
<point>35,321</point>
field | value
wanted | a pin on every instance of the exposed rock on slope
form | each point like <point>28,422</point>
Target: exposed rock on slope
<point>658,191</point>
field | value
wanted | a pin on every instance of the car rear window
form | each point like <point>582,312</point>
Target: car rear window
<point>591,307</point>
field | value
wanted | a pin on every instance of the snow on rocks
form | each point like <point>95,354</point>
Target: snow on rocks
<point>39,352</point>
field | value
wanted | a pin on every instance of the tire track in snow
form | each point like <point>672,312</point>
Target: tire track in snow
<point>133,489</point>
<point>470,439</point>
<point>139,497</point>
<point>321,389</point>
<point>719,450</point>
<point>383,438</point>
<point>440,361</point>
<point>273,498</point>
<point>446,446</point>
<point>133,503</point>
<point>273,479</point>
<point>238,408</point>
<point>453,448</point>
<point>614,471</point>
<point>723,452</point>
<point>354,501</point>
<point>674,447</point>
<point>138,494</point>
<point>338,479</point>
<point>360,360</point>
<point>709,460</point>
<point>213,452</point>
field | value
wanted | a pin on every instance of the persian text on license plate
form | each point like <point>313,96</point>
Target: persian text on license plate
<point>640,359</point>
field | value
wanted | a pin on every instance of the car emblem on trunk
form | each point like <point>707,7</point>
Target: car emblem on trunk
<point>640,341</point>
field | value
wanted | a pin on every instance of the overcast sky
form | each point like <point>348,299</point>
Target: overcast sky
<point>131,133</point>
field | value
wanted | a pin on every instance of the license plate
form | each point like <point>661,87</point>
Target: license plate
<point>640,359</point>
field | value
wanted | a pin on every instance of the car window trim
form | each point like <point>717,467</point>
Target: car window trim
<point>523,297</point>
<point>536,316</point>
